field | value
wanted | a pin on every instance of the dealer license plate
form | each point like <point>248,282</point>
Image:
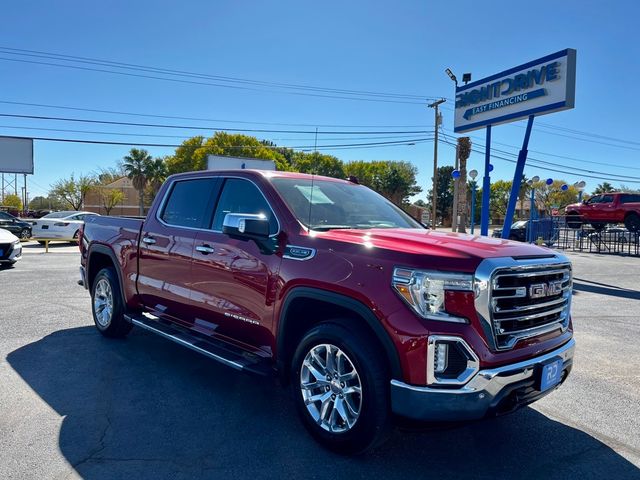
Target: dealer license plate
<point>551,375</point>
<point>1,252</point>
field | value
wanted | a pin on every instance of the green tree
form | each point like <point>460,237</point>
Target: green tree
<point>156,174</point>
<point>604,187</point>
<point>550,196</point>
<point>444,198</point>
<point>499,197</point>
<point>192,154</point>
<point>49,202</point>
<point>110,197</point>
<point>394,180</point>
<point>72,192</point>
<point>318,163</point>
<point>136,166</point>
<point>13,200</point>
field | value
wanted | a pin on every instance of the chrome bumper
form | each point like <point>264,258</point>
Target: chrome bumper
<point>490,392</point>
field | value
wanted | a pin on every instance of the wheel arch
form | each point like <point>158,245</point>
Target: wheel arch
<point>319,305</point>
<point>99,257</point>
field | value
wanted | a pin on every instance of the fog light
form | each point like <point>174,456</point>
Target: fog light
<point>440,357</point>
<point>450,361</point>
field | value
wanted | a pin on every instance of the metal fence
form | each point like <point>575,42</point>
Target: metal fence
<point>612,239</point>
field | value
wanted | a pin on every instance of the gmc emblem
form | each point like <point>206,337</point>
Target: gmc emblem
<point>539,290</point>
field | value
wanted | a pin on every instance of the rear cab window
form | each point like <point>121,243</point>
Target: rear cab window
<point>189,203</point>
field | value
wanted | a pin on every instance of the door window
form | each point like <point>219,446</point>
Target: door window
<point>607,199</point>
<point>189,203</point>
<point>242,196</point>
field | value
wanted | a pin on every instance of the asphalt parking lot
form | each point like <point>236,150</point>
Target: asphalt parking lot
<point>73,404</point>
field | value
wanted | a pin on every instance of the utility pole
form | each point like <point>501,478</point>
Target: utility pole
<point>435,105</point>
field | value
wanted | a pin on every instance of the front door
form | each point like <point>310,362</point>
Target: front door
<point>234,283</point>
<point>166,248</point>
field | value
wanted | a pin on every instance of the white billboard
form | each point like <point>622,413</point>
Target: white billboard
<point>539,87</point>
<point>16,155</point>
<point>221,162</point>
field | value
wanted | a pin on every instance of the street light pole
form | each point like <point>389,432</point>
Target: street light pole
<point>435,105</point>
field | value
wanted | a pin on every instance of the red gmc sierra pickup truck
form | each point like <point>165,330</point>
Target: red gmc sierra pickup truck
<point>362,312</point>
<point>614,207</point>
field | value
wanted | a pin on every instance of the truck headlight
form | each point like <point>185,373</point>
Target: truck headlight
<point>424,291</point>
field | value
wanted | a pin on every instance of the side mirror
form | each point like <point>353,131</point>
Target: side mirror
<point>246,225</point>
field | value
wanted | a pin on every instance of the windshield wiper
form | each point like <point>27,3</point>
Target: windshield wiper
<point>324,228</point>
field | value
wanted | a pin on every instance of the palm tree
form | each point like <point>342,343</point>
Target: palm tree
<point>136,166</point>
<point>604,187</point>
<point>156,174</point>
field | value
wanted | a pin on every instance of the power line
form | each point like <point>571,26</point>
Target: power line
<point>565,157</point>
<point>115,112</point>
<point>193,82</point>
<point>167,71</point>
<point>336,146</point>
<point>544,168</point>
<point>158,135</point>
<point>195,127</point>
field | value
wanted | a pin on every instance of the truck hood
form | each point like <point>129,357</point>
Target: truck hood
<point>439,244</point>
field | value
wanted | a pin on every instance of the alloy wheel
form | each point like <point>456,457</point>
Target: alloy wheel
<point>331,388</point>
<point>103,302</point>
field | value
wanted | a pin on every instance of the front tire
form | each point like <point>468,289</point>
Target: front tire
<point>341,388</point>
<point>574,220</point>
<point>107,306</point>
<point>632,222</point>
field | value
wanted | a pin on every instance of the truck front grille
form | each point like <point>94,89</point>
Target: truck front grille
<point>526,302</point>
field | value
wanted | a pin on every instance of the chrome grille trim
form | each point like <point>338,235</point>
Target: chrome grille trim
<point>510,313</point>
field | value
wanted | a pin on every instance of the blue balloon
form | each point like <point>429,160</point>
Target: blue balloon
<point>564,187</point>
<point>490,168</point>
<point>549,181</point>
<point>455,174</point>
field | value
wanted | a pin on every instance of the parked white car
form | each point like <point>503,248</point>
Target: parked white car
<point>10,248</point>
<point>59,225</point>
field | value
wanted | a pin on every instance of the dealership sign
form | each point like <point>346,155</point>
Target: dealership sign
<point>539,87</point>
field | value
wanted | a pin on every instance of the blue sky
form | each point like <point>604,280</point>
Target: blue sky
<point>398,47</point>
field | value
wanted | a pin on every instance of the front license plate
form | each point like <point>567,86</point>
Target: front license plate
<point>551,374</point>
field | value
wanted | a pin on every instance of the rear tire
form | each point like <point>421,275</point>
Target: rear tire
<point>632,222</point>
<point>107,306</point>
<point>344,401</point>
<point>75,237</point>
<point>25,234</point>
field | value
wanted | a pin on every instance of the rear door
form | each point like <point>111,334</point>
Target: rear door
<point>234,283</point>
<point>166,247</point>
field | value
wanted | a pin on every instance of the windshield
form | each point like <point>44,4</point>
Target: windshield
<point>339,205</point>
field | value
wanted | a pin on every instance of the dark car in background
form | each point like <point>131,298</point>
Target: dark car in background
<point>543,228</point>
<point>20,229</point>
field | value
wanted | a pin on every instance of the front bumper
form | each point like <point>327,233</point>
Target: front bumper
<point>15,254</point>
<point>490,392</point>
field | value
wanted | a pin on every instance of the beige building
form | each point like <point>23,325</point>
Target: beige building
<point>129,206</point>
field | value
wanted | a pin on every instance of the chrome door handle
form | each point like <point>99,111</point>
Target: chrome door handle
<point>205,249</point>
<point>149,240</point>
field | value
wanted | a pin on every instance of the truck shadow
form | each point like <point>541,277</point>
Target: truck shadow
<point>146,408</point>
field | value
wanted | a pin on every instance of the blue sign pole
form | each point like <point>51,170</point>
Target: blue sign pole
<point>486,185</point>
<point>517,180</point>
<point>531,213</point>
<point>473,206</point>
